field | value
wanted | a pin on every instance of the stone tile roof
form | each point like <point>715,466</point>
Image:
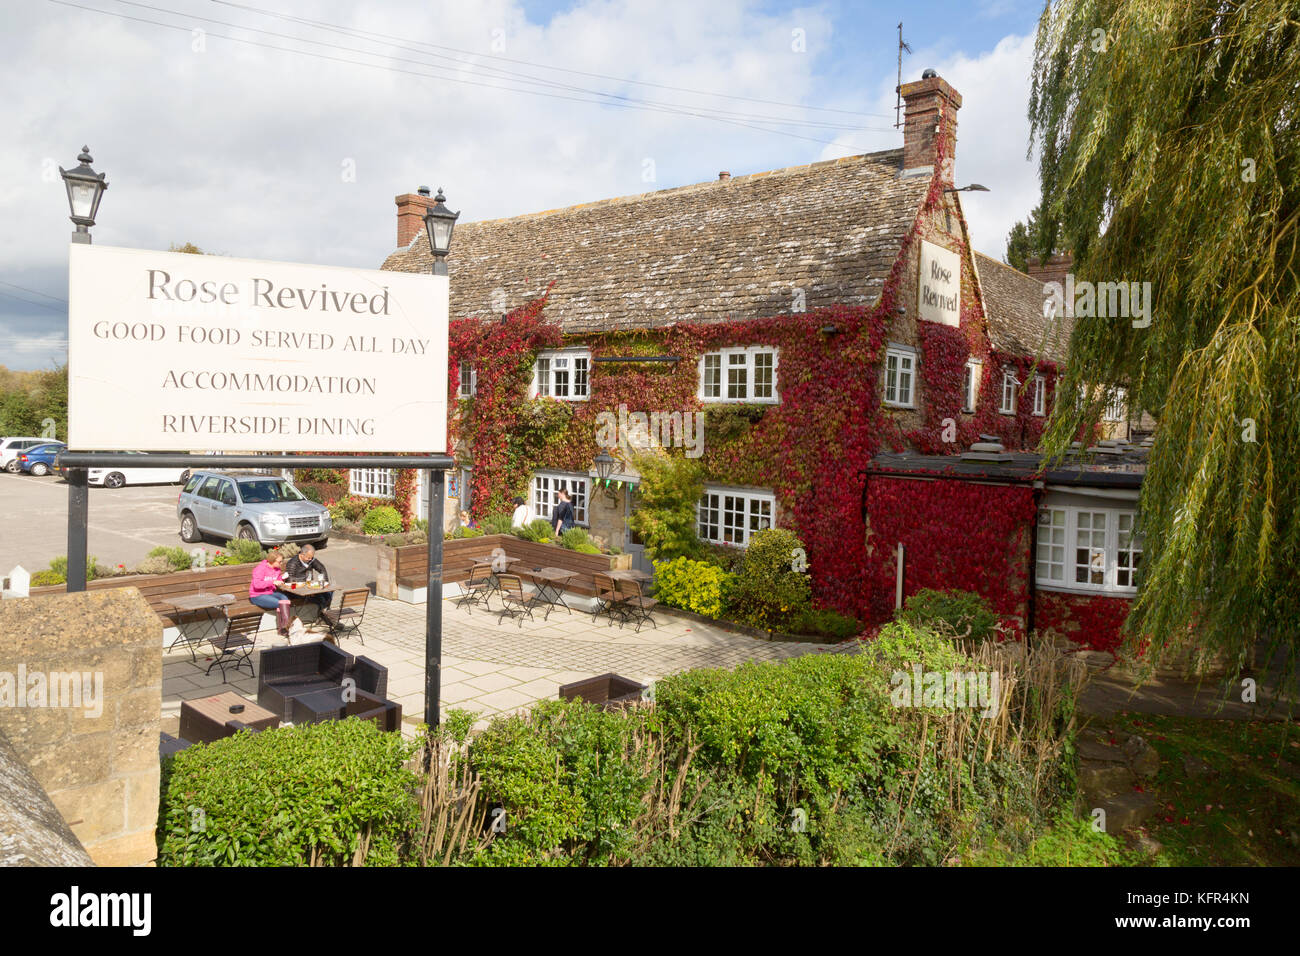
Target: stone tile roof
<point>727,249</point>
<point>1013,302</point>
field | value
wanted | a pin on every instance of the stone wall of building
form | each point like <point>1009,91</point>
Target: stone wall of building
<point>80,702</point>
<point>32,831</point>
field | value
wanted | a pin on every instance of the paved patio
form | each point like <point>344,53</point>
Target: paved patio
<point>492,668</point>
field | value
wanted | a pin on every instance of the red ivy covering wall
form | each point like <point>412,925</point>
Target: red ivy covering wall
<point>1093,620</point>
<point>957,534</point>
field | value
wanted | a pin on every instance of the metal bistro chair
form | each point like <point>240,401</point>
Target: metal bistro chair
<point>477,588</point>
<point>515,599</point>
<point>637,604</point>
<point>238,642</point>
<point>345,620</point>
<point>608,600</point>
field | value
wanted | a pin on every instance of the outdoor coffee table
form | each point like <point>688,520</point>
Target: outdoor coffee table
<point>206,719</point>
<point>211,606</point>
<point>550,587</point>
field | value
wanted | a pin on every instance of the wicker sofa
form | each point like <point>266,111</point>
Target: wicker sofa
<point>289,672</point>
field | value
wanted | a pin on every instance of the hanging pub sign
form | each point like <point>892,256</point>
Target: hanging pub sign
<point>939,286</point>
<point>179,352</point>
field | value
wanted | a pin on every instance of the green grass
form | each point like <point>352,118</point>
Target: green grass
<point>1245,814</point>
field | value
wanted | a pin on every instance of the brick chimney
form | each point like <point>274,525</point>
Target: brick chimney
<point>928,101</point>
<point>410,215</point>
<point>1053,270</point>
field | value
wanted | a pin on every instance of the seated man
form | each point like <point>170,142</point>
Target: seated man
<point>300,566</point>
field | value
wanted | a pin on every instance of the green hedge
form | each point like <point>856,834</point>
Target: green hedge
<point>382,520</point>
<point>693,586</point>
<point>275,798</point>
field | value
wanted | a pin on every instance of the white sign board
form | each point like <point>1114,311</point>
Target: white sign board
<point>939,288</point>
<point>175,352</point>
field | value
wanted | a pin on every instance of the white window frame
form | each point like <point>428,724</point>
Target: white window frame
<point>1116,401</point>
<point>897,355</point>
<point>744,361</point>
<point>1057,564</point>
<point>1010,386</point>
<point>1040,395</point>
<point>732,516</point>
<point>577,385</point>
<point>542,493</point>
<point>462,368</point>
<point>974,372</point>
<point>372,482</point>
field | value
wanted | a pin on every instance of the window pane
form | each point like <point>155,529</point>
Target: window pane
<point>737,376</point>
<point>764,367</point>
<point>733,519</point>
<point>543,376</point>
<point>712,376</point>
<point>580,378</point>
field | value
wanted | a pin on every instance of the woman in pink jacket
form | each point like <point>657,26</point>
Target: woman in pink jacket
<point>262,592</point>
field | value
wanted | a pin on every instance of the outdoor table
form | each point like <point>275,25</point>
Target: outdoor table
<point>631,574</point>
<point>550,587</point>
<point>205,719</point>
<point>208,605</point>
<point>493,580</point>
<point>298,596</point>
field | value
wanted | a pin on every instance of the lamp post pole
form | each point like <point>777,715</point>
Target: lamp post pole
<point>439,222</point>
<point>85,188</point>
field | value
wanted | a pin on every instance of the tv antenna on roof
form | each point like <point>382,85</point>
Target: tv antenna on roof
<point>898,90</point>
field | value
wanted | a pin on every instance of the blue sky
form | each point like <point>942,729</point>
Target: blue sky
<point>285,154</point>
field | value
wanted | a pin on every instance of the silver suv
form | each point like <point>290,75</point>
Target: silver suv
<point>262,508</point>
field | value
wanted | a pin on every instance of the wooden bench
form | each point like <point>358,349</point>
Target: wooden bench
<point>412,563</point>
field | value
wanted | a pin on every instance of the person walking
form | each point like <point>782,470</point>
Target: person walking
<point>262,592</point>
<point>523,515</point>
<point>564,516</point>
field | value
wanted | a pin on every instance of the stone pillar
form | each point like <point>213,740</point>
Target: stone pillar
<point>81,704</point>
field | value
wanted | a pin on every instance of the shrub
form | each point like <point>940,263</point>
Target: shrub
<point>156,564</point>
<point>318,476</point>
<point>382,520</point>
<point>47,577</point>
<point>827,623</point>
<point>768,592</point>
<point>351,508</point>
<point>693,585</point>
<point>966,613</point>
<point>539,529</point>
<point>288,797</point>
<point>575,537</point>
<point>240,551</point>
<point>459,532</point>
<point>587,548</point>
<point>496,524</point>
<point>59,566</point>
<point>665,518</point>
<point>312,494</point>
<point>177,558</point>
<point>420,524</point>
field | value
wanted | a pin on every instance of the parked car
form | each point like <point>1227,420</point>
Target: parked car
<point>136,475</point>
<point>263,508</point>
<point>10,447</point>
<point>39,459</point>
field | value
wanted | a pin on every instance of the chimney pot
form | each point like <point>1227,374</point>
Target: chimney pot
<point>723,175</point>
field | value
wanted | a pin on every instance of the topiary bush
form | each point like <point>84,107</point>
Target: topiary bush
<point>288,797</point>
<point>693,585</point>
<point>768,592</point>
<point>966,613</point>
<point>382,520</point>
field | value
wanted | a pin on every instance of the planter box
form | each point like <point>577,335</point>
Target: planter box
<point>403,572</point>
<point>608,690</point>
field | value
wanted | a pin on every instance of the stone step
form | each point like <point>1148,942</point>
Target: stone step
<point>1124,811</point>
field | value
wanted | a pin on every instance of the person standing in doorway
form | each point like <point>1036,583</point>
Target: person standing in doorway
<point>564,515</point>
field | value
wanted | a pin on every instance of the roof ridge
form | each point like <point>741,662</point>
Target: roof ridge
<point>1008,266</point>
<point>634,197</point>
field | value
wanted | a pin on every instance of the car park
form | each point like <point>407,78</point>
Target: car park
<point>263,508</point>
<point>11,446</point>
<point>39,459</point>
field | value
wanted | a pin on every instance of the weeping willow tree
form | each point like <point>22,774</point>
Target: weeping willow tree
<point>1170,151</point>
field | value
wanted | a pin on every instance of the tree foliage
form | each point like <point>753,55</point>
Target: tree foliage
<point>665,519</point>
<point>1028,239</point>
<point>1170,153</point>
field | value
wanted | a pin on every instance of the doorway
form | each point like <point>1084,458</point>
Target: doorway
<point>632,543</point>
